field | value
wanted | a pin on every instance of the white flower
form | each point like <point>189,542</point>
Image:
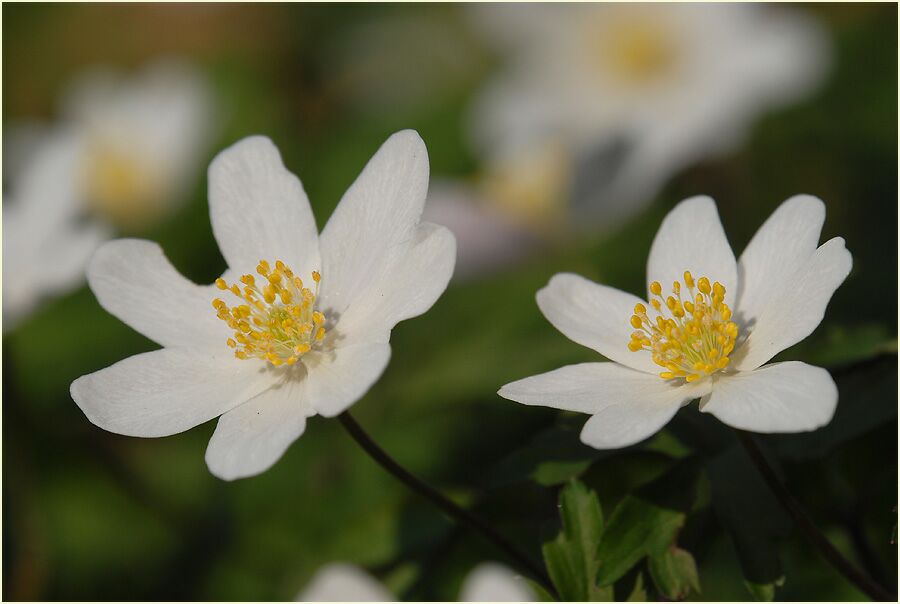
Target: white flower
<point>340,582</point>
<point>146,137</point>
<point>708,339</point>
<point>668,84</point>
<point>125,155</point>
<point>45,249</point>
<point>298,325</point>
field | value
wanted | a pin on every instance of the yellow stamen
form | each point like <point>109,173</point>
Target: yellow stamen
<point>267,323</point>
<point>695,339</point>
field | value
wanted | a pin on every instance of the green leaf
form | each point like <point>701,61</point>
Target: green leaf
<point>638,592</point>
<point>675,573</point>
<point>571,558</point>
<point>764,592</point>
<point>647,522</point>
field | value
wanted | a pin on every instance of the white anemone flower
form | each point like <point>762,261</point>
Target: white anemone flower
<point>45,246</point>
<point>146,138</point>
<point>708,339</point>
<point>298,325</point>
<point>666,84</point>
<point>341,582</point>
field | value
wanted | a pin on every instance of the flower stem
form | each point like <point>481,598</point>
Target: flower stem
<point>809,530</point>
<point>459,514</point>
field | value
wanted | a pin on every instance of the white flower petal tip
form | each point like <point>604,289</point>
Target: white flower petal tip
<point>165,392</point>
<point>492,582</point>
<point>250,438</point>
<point>778,398</point>
<point>341,582</point>
<point>259,210</point>
<point>794,312</point>
<point>626,406</point>
<point>691,238</point>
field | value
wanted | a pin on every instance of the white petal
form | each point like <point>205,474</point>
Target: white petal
<point>781,246</point>
<point>595,316</point>
<point>375,223</point>
<point>782,397</point>
<point>799,306</point>
<point>134,281</point>
<point>627,405</point>
<point>166,391</point>
<point>259,210</point>
<point>492,582</point>
<point>691,239</point>
<point>250,438</point>
<point>411,286</point>
<point>339,378</point>
<point>340,582</point>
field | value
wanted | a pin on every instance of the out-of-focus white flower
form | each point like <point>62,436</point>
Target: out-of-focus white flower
<point>146,136</point>
<point>673,83</point>
<point>45,247</point>
<point>298,325</point>
<point>124,156</point>
<point>600,104</point>
<point>708,339</point>
<point>340,582</point>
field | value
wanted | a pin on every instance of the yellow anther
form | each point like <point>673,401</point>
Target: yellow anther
<point>266,323</point>
<point>316,276</point>
<point>689,346</point>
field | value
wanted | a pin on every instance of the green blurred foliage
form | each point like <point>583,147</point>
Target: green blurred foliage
<point>92,515</point>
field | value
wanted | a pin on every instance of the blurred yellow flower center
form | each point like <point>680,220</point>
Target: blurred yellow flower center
<point>636,48</point>
<point>689,338</point>
<point>123,188</point>
<point>276,319</point>
<point>530,187</point>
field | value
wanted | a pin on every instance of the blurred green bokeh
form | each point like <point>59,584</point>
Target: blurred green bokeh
<point>92,515</point>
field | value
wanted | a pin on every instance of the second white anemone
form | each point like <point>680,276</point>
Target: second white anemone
<point>298,325</point>
<point>707,328</point>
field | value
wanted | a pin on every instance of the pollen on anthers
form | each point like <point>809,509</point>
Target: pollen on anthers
<point>276,319</point>
<point>689,338</point>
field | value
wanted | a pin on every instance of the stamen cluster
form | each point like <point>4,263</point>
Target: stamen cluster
<point>689,338</point>
<point>277,320</point>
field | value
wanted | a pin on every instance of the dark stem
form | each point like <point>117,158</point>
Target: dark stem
<point>457,513</point>
<point>809,530</point>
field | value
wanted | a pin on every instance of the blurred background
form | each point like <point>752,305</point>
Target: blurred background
<point>558,137</point>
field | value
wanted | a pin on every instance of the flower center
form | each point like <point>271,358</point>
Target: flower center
<point>276,320</point>
<point>689,338</point>
<point>122,187</point>
<point>636,48</point>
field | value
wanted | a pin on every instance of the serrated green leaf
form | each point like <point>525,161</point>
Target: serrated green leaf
<point>674,573</point>
<point>571,558</point>
<point>647,522</point>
